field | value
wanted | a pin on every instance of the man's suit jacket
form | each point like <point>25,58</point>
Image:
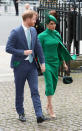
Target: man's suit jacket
<point>17,43</point>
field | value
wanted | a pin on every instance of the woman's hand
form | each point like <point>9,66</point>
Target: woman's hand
<point>65,66</point>
<point>43,67</point>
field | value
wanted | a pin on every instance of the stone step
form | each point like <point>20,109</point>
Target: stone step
<point>77,64</point>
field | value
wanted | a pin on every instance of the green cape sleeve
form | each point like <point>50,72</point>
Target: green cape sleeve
<point>65,53</point>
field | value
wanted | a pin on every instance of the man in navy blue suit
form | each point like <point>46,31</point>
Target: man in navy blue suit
<point>23,44</point>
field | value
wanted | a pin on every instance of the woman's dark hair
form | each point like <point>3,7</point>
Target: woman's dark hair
<point>54,13</point>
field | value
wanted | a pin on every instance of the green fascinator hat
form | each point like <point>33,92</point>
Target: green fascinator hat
<point>49,18</point>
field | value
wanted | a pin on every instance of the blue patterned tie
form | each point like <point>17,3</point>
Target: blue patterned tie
<point>29,44</point>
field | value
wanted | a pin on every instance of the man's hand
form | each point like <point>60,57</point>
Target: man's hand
<point>27,52</point>
<point>43,67</point>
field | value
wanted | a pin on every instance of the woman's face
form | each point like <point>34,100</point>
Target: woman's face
<point>51,25</point>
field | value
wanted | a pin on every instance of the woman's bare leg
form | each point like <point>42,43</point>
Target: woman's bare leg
<point>50,107</point>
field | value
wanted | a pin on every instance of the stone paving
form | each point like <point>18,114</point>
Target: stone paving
<point>67,105</point>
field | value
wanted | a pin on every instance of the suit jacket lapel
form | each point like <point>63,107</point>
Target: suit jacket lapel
<point>31,38</point>
<point>23,37</point>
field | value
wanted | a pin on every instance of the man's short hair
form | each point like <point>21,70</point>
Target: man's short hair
<point>28,14</point>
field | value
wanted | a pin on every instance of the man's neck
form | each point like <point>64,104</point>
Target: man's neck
<point>26,25</point>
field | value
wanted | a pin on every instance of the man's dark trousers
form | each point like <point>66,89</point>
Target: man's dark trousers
<point>22,73</point>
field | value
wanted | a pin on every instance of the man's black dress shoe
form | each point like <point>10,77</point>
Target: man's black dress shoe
<point>22,118</point>
<point>41,119</point>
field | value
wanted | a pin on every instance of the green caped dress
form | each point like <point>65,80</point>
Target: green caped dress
<point>54,52</point>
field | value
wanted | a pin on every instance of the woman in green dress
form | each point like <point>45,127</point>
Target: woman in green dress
<point>54,52</point>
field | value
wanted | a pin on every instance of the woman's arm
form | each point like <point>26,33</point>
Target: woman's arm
<point>61,58</point>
